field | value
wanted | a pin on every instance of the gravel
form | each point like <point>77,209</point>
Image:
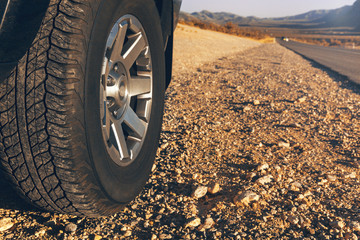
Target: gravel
<point>263,112</point>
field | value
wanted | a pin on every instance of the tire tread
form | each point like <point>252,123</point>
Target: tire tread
<point>41,134</point>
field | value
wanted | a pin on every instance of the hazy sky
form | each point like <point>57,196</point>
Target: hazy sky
<point>262,8</point>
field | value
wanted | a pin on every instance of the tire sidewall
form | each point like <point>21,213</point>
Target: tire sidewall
<point>122,184</point>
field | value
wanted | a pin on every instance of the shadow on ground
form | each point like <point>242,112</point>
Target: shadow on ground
<point>9,199</point>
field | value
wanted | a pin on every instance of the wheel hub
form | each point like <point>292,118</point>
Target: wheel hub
<point>118,98</point>
<point>126,90</point>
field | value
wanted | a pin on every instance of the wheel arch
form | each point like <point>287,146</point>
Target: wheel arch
<point>166,10</point>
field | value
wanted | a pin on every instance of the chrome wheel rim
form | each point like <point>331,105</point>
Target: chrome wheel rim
<point>126,90</point>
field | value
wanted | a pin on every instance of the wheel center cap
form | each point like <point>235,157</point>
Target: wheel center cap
<point>121,95</point>
<point>122,90</point>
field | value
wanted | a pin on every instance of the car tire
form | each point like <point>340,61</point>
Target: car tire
<point>75,136</point>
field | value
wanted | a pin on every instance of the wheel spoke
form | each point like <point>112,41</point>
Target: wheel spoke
<point>120,139</point>
<point>139,85</point>
<point>113,74</point>
<point>114,53</point>
<point>134,51</point>
<point>106,122</point>
<point>137,125</point>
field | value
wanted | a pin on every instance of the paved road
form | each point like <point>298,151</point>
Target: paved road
<point>343,61</point>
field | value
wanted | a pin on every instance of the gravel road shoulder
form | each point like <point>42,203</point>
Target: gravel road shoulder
<point>262,144</point>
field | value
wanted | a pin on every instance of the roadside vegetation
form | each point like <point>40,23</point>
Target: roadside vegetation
<point>230,28</point>
<point>266,35</point>
<point>343,41</point>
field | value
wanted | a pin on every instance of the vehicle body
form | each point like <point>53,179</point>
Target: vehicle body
<point>82,88</point>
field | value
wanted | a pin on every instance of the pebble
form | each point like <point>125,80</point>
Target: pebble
<point>128,233</point>
<point>209,223</point>
<point>331,178</point>
<point>199,192</point>
<point>301,100</point>
<point>213,187</point>
<point>351,175</point>
<point>262,167</point>
<point>71,227</point>
<point>247,108</point>
<point>6,224</point>
<point>337,224</point>
<point>153,237</point>
<point>284,144</point>
<point>295,186</point>
<point>350,236</point>
<point>256,102</point>
<point>265,180</point>
<point>293,220</point>
<point>40,233</point>
<point>250,176</point>
<point>165,236</point>
<point>97,237</point>
<point>355,226</point>
<point>193,222</point>
<point>245,198</point>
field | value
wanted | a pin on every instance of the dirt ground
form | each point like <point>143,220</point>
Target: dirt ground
<point>257,143</point>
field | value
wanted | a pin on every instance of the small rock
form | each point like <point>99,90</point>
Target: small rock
<point>148,215</point>
<point>153,237</point>
<point>256,102</point>
<point>331,178</point>
<point>295,186</point>
<point>196,176</point>
<point>71,227</point>
<point>128,233</point>
<point>213,187</point>
<point>40,233</point>
<point>165,236</point>
<point>263,167</point>
<point>209,223</point>
<point>293,220</point>
<point>250,176</point>
<point>337,224</point>
<point>265,180</point>
<point>200,192</point>
<point>305,222</point>
<point>193,222</point>
<point>97,237</point>
<point>350,236</point>
<point>284,144</point>
<point>323,181</point>
<point>355,226</point>
<point>277,168</point>
<point>153,168</point>
<point>301,100</point>
<point>6,224</point>
<point>245,198</point>
<point>351,175</point>
<point>246,108</point>
<point>178,171</point>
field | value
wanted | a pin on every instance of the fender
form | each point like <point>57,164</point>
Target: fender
<point>169,15</point>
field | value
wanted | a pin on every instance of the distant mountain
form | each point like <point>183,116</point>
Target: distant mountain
<point>346,17</point>
<point>309,16</point>
<point>220,17</point>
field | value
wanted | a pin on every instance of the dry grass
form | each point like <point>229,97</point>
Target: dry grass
<point>194,46</point>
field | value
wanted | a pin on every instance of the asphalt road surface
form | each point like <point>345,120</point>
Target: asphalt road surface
<point>343,61</point>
